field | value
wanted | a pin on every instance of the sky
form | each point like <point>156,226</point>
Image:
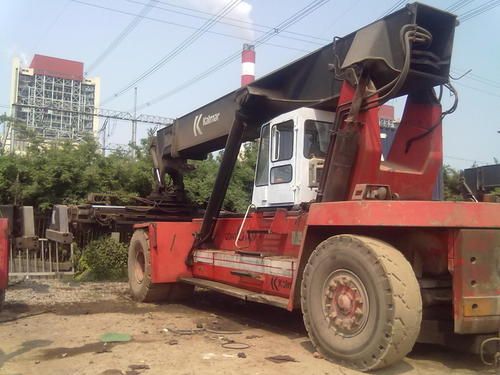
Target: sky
<point>83,30</point>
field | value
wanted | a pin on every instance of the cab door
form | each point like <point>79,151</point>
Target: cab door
<point>282,163</point>
<point>276,163</point>
<point>261,182</point>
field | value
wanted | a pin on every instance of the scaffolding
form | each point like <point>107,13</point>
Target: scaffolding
<point>55,108</point>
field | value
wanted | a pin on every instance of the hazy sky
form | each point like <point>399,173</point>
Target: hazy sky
<point>74,30</point>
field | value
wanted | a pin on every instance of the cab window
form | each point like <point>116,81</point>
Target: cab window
<point>282,136</point>
<point>281,174</point>
<point>316,138</point>
<point>262,174</point>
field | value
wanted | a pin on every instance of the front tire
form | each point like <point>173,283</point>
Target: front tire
<point>361,302</point>
<point>140,280</point>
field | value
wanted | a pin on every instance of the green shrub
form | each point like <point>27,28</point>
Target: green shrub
<point>103,259</point>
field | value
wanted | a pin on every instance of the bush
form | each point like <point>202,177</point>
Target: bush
<point>103,259</point>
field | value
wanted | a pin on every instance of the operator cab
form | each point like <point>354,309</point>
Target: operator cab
<point>290,158</point>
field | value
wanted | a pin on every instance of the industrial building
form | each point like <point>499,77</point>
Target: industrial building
<point>388,127</point>
<point>52,98</point>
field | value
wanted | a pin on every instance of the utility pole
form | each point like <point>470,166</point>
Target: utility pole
<point>103,129</point>
<point>134,123</point>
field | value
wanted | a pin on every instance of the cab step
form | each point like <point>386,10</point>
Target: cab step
<point>240,293</point>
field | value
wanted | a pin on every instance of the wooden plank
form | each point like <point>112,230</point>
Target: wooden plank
<point>240,293</point>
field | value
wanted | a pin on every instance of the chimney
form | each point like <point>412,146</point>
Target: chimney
<point>247,64</point>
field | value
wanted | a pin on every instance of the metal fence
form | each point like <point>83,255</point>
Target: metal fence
<point>50,259</point>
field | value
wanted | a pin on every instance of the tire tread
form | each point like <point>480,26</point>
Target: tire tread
<point>402,330</point>
<point>150,292</point>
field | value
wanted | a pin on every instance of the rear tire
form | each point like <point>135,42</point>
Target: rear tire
<point>140,276</point>
<point>361,302</point>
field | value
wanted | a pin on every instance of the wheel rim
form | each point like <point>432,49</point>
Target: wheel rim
<point>345,303</point>
<point>139,265</point>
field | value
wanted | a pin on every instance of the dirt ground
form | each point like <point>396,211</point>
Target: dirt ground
<point>54,327</point>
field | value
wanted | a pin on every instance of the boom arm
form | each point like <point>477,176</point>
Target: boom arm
<point>311,82</point>
<point>405,52</point>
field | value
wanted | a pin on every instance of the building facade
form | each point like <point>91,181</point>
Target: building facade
<point>52,98</point>
<point>388,127</point>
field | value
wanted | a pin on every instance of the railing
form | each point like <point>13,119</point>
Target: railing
<point>50,259</point>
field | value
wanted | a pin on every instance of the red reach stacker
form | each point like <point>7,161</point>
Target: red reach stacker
<point>353,240</point>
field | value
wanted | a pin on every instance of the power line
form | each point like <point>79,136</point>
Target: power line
<point>483,80</point>
<point>114,10</point>
<point>320,42</point>
<point>253,25</point>
<point>159,20</point>
<point>478,89</point>
<point>395,6</point>
<point>479,79</point>
<point>296,17</point>
<point>474,12</point>
<point>464,159</point>
<point>476,77</point>
<point>180,48</point>
<point>51,25</point>
<point>335,22</point>
<point>123,34</point>
<point>457,5</point>
<point>193,80</point>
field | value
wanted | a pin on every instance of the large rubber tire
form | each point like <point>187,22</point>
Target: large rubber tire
<point>2,298</point>
<point>140,279</point>
<point>387,323</point>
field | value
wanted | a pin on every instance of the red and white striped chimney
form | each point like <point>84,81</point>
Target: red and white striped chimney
<point>247,64</point>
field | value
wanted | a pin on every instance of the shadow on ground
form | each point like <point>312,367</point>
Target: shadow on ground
<point>236,314</point>
<point>25,347</point>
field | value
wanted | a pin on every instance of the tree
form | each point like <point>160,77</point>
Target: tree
<point>452,184</point>
<point>199,182</point>
<point>65,173</point>
<point>239,194</point>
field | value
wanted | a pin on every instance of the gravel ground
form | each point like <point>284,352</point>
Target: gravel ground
<point>54,327</point>
<point>54,292</point>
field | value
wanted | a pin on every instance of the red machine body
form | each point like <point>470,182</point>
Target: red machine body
<point>445,235</point>
<point>410,170</point>
<point>270,254</point>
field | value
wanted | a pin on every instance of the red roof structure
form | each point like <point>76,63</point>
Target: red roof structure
<point>55,67</point>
